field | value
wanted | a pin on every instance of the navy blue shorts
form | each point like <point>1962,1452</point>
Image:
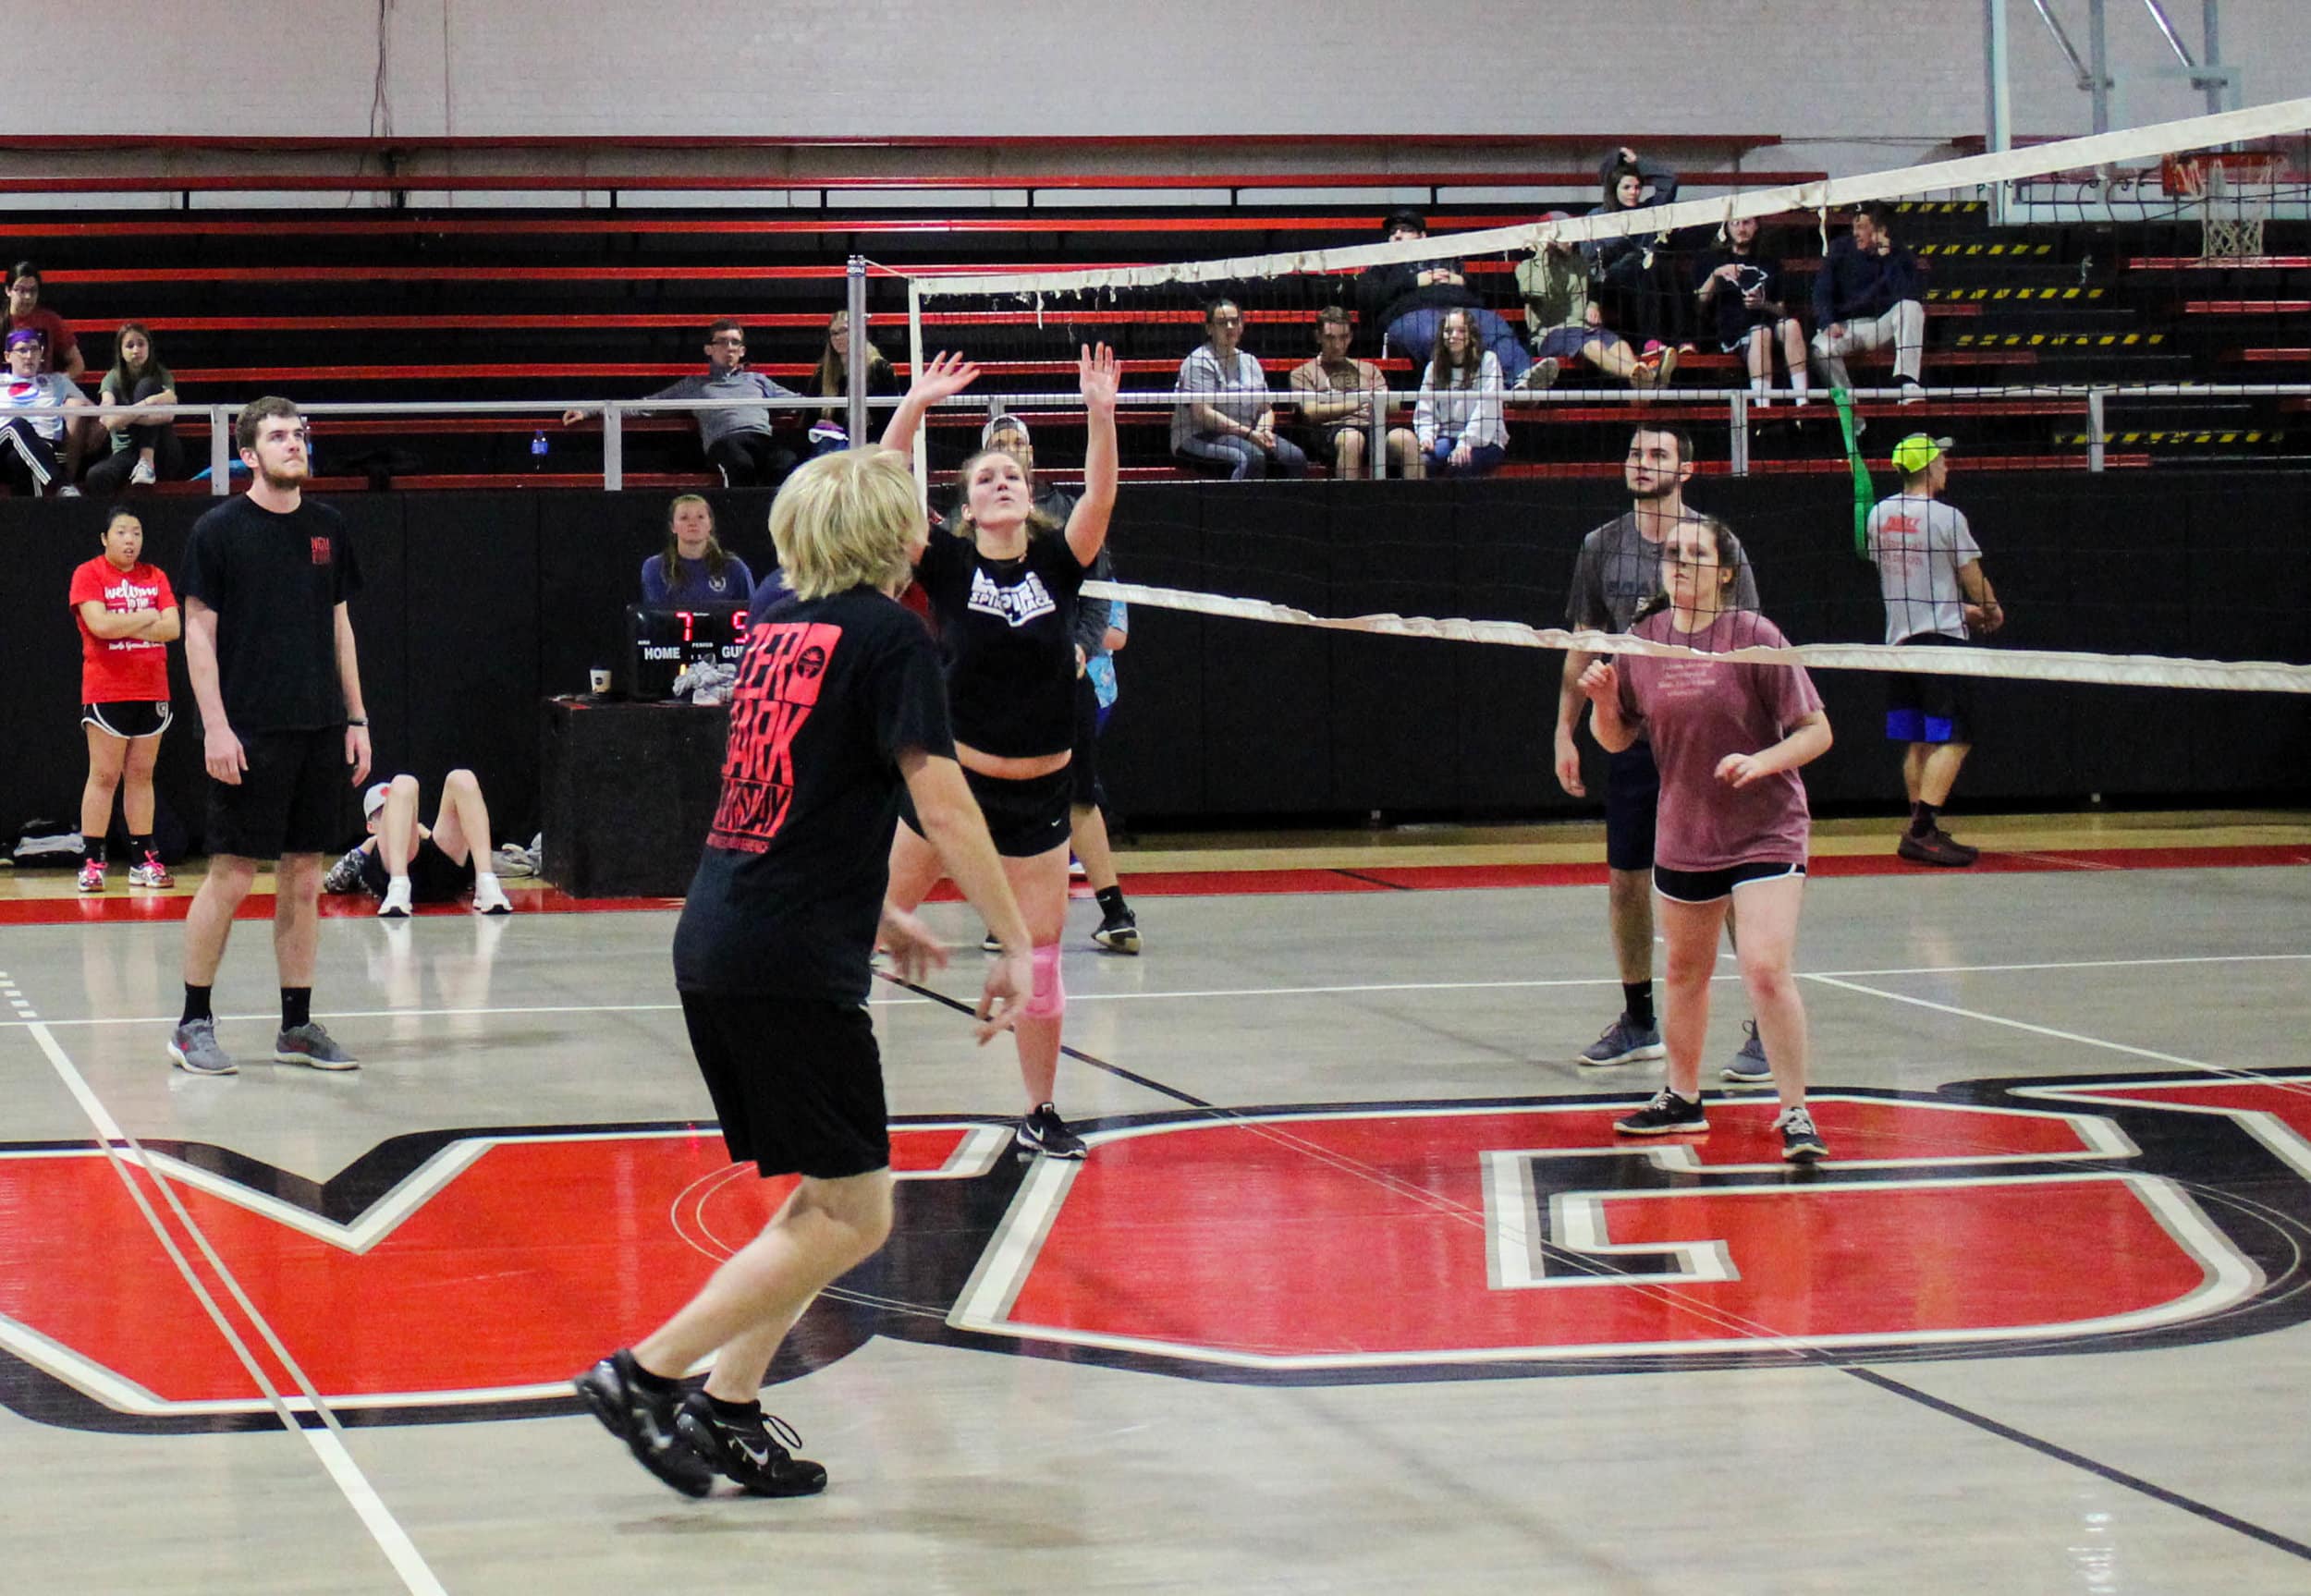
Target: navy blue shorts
<point>1632,798</point>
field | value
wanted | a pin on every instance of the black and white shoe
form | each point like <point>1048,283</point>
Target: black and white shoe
<point>1118,931</point>
<point>1801,1143</point>
<point>1666,1114</point>
<point>1044,1131</point>
<point>990,943</point>
<point>644,1419</point>
<point>751,1452</point>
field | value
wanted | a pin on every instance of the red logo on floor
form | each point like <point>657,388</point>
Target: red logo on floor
<point>472,1275</point>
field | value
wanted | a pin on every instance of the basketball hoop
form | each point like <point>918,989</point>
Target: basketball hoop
<point>2232,192</point>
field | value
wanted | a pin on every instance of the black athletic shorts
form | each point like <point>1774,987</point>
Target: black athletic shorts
<point>1931,708</point>
<point>1632,798</point>
<point>129,717</point>
<point>434,877</point>
<point>1025,818</point>
<point>292,797</point>
<point>1709,885</point>
<point>1083,768</point>
<point>797,1083</point>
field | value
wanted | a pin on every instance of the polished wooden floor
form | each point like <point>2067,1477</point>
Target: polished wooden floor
<point>1355,1292</point>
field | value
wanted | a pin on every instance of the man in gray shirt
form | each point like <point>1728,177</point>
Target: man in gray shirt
<point>1930,572</point>
<point>738,441</point>
<point>1618,571</point>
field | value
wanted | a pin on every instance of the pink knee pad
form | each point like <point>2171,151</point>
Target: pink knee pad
<point>1049,1000</point>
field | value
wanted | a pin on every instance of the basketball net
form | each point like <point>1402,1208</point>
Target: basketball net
<point>2232,191</point>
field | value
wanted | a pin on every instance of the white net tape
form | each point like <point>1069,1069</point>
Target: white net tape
<point>2020,664</point>
<point>2134,144</point>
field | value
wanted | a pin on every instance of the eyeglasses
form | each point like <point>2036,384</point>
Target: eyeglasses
<point>728,343</point>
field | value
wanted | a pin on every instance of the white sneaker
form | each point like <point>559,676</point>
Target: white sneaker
<point>488,897</point>
<point>68,492</point>
<point>144,476</point>
<point>396,901</point>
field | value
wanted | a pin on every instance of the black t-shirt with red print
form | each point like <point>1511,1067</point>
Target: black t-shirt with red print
<point>789,892</point>
<point>274,581</point>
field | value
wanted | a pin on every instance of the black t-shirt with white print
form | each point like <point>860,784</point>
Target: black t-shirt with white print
<point>788,895</point>
<point>1008,630</point>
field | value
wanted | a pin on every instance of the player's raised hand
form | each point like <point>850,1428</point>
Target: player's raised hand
<point>943,376</point>
<point>1099,374</point>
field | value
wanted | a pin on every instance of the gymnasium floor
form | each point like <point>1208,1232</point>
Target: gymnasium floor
<point>1354,1292</point>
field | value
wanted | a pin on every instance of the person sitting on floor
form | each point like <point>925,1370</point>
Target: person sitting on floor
<point>401,863</point>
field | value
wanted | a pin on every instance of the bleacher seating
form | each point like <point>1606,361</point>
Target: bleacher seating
<point>563,306</point>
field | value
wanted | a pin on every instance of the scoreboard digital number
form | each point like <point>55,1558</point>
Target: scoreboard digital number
<point>663,641</point>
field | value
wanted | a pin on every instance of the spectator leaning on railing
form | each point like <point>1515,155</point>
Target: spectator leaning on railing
<point>738,441</point>
<point>144,450</point>
<point>32,420</point>
<point>1868,295</point>
<point>1236,427</point>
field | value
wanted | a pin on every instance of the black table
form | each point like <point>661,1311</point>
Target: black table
<point>630,792</point>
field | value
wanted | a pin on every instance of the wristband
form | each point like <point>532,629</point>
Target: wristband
<point>362,721</point>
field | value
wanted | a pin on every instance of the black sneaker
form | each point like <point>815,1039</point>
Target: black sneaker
<point>644,1419</point>
<point>1666,1114</point>
<point>1044,1131</point>
<point>1118,931</point>
<point>745,1451</point>
<point>1937,847</point>
<point>1801,1143</point>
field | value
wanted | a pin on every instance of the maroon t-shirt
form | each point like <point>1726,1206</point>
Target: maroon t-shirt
<point>1696,712</point>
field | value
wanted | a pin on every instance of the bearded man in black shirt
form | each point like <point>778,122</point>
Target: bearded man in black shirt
<point>270,650</point>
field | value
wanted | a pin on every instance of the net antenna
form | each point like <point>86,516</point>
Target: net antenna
<point>2231,191</point>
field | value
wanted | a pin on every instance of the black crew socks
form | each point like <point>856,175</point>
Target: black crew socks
<point>736,1412</point>
<point>1922,818</point>
<point>297,1006</point>
<point>656,1384</point>
<point>1111,899</point>
<point>140,849</point>
<point>1637,998</point>
<point>196,1003</point>
<point>93,849</point>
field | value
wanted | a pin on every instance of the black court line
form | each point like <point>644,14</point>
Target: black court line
<point>2270,1537</point>
<point>1374,880</point>
<point>1077,1053</point>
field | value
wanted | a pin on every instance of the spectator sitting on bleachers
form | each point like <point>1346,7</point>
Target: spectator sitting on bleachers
<point>63,356</point>
<point>1568,325</point>
<point>833,382</point>
<point>694,566</point>
<point>1236,430</point>
<point>33,404</point>
<point>1406,302</point>
<point>142,451</point>
<point>1867,296</point>
<point>1334,402</point>
<point>738,441</point>
<point>1638,269</point>
<point>1742,291</point>
<point>1459,417</point>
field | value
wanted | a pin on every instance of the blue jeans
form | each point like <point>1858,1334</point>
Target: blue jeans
<point>1413,335</point>
<point>1484,459</point>
<point>1246,460</point>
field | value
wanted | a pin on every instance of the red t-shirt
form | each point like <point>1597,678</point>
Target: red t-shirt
<point>121,670</point>
<point>1696,712</point>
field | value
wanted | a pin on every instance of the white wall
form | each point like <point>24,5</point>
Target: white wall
<point>1829,75</point>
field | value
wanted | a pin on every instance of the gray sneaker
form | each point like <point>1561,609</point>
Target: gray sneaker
<point>1749,1066</point>
<point>1624,1041</point>
<point>193,1048</point>
<point>309,1045</point>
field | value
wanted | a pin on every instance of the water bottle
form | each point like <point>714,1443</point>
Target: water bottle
<point>538,445</point>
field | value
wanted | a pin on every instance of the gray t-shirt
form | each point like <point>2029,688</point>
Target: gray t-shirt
<point>715,425</point>
<point>1920,545</point>
<point>1241,385</point>
<point>1619,569</point>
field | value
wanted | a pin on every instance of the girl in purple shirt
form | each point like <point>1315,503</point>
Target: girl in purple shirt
<point>1728,737</point>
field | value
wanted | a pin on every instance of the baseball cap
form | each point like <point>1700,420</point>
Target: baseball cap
<point>1403,218</point>
<point>1002,424</point>
<point>25,336</point>
<point>1917,451</point>
<point>375,799</point>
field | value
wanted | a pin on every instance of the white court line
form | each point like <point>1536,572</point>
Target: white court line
<point>328,1442</point>
<point>2046,1030</point>
<point>1340,991</point>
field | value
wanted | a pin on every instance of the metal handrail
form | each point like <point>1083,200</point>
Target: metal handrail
<point>2093,399</point>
